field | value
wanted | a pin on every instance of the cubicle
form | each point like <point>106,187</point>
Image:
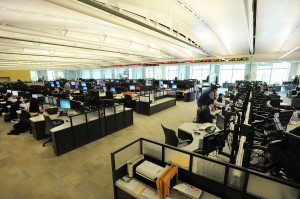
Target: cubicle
<point>84,128</point>
<point>156,101</point>
<point>211,175</point>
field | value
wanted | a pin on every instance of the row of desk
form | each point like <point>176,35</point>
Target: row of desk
<point>78,130</point>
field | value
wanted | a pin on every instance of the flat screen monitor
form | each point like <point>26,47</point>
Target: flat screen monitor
<point>220,121</point>
<point>47,100</point>
<point>104,88</point>
<point>54,101</point>
<point>84,88</point>
<point>213,141</point>
<point>73,83</point>
<point>132,87</point>
<point>117,81</point>
<point>8,91</point>
<point>65,104</point>
<point>52,84</point>
<point>14,93</point>
<point>112,89</point>
<point>127,81</point>
<point>165,86</point>
<point>97,88</point>
<point>46,83</point>
<point>172,82</point>
<point>137,88</point>
<point>57,84</point>
<point>83,84</point>
<point>50,100</point>
<point>34,96</point>
<point>160,82</point>
<point>174,86</point>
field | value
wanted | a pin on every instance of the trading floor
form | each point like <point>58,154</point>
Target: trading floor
<point>28,170</point>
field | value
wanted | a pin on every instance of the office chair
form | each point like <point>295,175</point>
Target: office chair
<point>128,103</point>
<point>24,120</point>
<point>109,95</point>
<point>172,139</point>
<point>49,125</point>
<point>285,117</point>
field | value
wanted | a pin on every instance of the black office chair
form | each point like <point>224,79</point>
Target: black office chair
<point>49,125</point>
<point>172,139</point>
<point>109,95</point>
<point>24,120</point>
<point>129,103</point>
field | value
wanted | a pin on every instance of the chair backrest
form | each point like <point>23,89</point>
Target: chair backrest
<point>170,137</point>
<point>285,117</point>
<point>128,101</point>
<point>49,124</point>
<point>24,119</point>
<point>109,95</point>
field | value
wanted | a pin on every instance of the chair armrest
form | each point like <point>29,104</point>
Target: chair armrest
<point>183,141</point>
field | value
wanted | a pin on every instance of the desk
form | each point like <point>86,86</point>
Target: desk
<point>38,125</point>
<point>186,131</point>
<point>148,108</point>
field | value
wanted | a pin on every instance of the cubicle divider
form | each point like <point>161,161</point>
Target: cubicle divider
<point>211,175</point>
<point>90,126</point>
<point>154,102</point>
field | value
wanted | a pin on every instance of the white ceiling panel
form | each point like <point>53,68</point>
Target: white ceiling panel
<point>82,33</point>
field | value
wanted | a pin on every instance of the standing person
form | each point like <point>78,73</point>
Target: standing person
<point>204,112</point>
<point>207,94</point>
<point>67,87</point>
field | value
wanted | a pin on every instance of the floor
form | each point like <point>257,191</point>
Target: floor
<point>28,170</point>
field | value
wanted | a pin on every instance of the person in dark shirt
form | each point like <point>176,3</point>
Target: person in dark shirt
<point>207,94</point>
<point>203,112</point>
<point>220,98</point>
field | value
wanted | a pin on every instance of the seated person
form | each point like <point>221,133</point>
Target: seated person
<point>220,98</point>
<point>34,107</point>
<point>203,112</point>
<point>19,103</point>
<point>10,98</point>
<point>127,92</point>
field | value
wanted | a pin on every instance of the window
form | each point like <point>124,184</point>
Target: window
<point>172,72</point>
<point>50,74</point>
<point>149,72</point>
<point>231,73</point>
<point>274,73</point>
<point>34,76</point>
<point>199,72</point>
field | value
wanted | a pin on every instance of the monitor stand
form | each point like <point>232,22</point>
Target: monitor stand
<point>64,113</point>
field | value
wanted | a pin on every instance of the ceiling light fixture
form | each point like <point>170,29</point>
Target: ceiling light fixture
<point>289,52</point>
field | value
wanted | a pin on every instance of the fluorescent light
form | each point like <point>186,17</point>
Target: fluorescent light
<point>286,54</point>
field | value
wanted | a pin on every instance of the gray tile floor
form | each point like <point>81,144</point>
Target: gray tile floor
<point>28,170</point>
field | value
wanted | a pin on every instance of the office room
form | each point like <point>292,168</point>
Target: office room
<point>95,94</point>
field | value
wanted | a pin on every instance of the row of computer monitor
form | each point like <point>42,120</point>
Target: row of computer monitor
<point>65,104</point>
<point>56,84</point>
<point>13,93</point>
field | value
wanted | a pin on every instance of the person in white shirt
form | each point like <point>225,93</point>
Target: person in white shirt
<point>10,98</point>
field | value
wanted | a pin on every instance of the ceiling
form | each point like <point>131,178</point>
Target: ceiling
<point>87,34</point>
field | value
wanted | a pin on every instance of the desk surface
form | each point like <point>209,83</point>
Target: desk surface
<point>190,128</point>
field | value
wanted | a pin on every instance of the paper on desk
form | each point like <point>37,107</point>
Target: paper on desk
<point>148,193</point>
<point>135,186</point>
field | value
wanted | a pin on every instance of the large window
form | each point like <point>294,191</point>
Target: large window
<point>199,72</point>
<point>172,72</point>
<point>274,73</point>
<point>231,73</point>
<point>149,72</point>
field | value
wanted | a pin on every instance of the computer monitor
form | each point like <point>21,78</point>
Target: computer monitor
<point>174,86</point>
<point>172,82</point>
<point>132,87</point>
<point>127,81</point>
<point>117,81</point>
<point>73,83</point>
<point>83,84</point>
<point>112,89</point>
<point>165,86</point>
<point>55,101</point>
<point>104,88</point>
<point>213,141</point>
<point>34,96</point>
<point>47,100</point>
<point>137,88</point>
<point>8,91</point>
<point>52,84</point>
<point>57,84</point>
<point>160,82</point>
<point>84,88</point>
<point>14,93</point>
<point>50,100</point>
<point>220,121</point>
<point>65,104</point>
<point>97,88</point>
